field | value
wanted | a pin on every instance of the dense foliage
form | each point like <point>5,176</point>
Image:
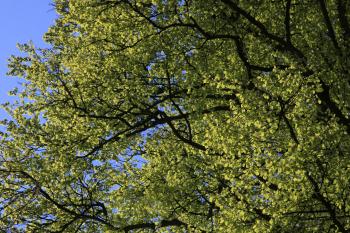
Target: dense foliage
<point>182,116</point>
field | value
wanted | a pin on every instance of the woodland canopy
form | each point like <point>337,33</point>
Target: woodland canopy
<point>181,116</point>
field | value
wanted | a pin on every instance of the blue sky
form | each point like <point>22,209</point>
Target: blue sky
<point>21,21</point>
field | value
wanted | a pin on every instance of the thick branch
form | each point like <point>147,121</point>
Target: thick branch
<point>151,225</point>
<point>287,22</point>
<point>332,106</point>
<point>290,128</point>
<point>328,23</point>
<point>341,8</point>
<point>178,135</point>
<point>263,30</point>
<point>62,207</point>
<point>332,212</point>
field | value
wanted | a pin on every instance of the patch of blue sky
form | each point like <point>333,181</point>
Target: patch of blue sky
<point>20,22</point>
<point>97,163</point>
<point>114,187</point>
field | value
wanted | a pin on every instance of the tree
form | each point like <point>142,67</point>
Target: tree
<point>182,116</point>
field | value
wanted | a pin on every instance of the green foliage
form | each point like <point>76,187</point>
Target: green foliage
<point>182,116</point>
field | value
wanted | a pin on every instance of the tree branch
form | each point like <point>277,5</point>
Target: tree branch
<point>151,225</point>
<point>329,103</point>
<point>263,30</point>
<point>341,8</point>
<point>287,22</point>
<point>328,23</point>
<point>318,195</point>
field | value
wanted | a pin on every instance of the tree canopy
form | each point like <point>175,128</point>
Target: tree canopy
<point>181,116</point>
